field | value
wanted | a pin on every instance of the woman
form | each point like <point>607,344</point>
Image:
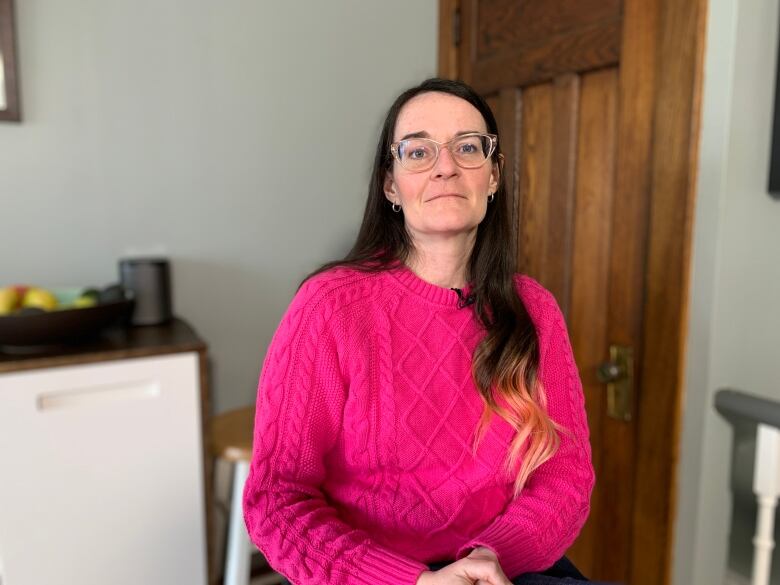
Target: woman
<point>420,418</point>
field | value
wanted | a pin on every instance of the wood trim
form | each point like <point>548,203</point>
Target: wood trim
<point>115,343</point>
<point>673,178</point>
<point>630,211</point>
<point>633,169</point>
<point>448,50</point>
<point>89,358</point>
<point>12,113</point>
<point>509,120</point>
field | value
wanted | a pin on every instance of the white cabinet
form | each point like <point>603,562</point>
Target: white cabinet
<point>101,474</point>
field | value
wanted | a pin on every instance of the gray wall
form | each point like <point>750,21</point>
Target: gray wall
<point>734,335</point>
<point>234,136</point>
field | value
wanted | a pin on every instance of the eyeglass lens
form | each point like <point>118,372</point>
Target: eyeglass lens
<point>469,151</point>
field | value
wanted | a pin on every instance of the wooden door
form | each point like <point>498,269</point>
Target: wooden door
<point>597,104</point>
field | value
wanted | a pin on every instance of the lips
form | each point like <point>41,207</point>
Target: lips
<point>446,195</point>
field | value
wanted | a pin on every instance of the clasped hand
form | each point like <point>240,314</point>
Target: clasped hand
<point>480,567</point>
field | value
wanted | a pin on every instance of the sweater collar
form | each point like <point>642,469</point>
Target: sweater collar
<point>436,294</point>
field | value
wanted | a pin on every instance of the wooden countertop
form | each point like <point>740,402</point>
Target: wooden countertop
<point>175,336</point>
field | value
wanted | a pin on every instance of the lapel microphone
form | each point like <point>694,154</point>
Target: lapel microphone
<point>464,301</point>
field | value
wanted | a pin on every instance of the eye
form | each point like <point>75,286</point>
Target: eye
<point>468,148</point>
<point>415,150</point>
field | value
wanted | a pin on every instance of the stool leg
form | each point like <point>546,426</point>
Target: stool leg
<point>239,551</point>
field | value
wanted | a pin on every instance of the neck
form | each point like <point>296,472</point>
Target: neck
<point>443,262</point>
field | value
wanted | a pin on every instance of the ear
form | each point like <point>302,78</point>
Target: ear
<point>389,188</point>
<point>495,174</point>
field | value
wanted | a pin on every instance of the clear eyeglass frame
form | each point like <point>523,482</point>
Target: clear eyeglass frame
<point>395,149</point>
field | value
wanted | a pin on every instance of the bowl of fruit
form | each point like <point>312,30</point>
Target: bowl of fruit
<point>35,316</point>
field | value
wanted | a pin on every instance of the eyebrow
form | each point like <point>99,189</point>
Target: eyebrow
<point>424,134</point>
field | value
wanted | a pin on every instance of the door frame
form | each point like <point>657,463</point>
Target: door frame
<point>668,37</point>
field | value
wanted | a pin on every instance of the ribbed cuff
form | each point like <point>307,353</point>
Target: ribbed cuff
<point>380,566</point>
<point>518,552</point>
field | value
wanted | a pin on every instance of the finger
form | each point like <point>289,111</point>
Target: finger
<point>498,581</point>
<point>488,572</point>
<point>485,555</point>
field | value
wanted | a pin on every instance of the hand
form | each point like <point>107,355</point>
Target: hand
<point>485,554</point>
<point>480,567</point>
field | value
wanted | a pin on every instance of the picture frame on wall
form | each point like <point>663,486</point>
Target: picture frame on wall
<point>774,161</point>
<point>10,109</point>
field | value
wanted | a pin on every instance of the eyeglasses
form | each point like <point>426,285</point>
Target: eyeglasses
<point>469,151</point>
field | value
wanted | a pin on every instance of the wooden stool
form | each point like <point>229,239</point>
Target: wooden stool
<point>231,440</point>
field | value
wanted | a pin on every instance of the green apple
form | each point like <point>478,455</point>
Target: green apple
<point>9,300</point>
<point>40,298</point>
<point>84,301</point>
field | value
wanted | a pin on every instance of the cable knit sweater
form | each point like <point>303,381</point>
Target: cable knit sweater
<point>362,469</point>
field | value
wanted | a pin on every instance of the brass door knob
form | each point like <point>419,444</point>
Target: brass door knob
<point>618,375</point>
<point>611,372</point>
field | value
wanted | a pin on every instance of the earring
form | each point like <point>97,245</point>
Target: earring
<point>396,207</point>
<point>491,197</point>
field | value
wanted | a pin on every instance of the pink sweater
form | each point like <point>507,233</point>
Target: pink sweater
<point>362,469</point>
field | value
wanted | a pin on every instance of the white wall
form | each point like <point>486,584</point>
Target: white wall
<point>234,136</point>
<point>734,336</point>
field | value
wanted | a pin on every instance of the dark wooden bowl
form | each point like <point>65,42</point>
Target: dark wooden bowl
<point>61,326</point>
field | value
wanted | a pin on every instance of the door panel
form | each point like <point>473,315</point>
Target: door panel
<point>534,163</point>
<point>507,24</point>
<point>517,44</point>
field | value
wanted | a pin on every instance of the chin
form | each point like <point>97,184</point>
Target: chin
<point>450,227</point>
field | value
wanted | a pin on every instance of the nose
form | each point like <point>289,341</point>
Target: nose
<point>445,166</point>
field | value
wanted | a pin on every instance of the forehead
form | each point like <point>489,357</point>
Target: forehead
<point>441,115</point>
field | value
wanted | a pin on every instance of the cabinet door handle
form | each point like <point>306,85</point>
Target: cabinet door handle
<point>98,394</point>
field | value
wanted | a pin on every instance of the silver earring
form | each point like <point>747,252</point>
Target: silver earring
<point>396,207</point>
<point>491,197</point>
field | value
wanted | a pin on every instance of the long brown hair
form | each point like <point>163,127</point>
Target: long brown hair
<point>506,361</point>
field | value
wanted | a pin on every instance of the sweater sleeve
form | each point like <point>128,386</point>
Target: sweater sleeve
<point>301,397</point>
<point>537,526</point>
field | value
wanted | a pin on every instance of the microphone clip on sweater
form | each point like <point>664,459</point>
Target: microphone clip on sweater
<point>464,301</point>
